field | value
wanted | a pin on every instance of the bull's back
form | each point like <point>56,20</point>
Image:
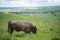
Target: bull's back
<point>20,25</point>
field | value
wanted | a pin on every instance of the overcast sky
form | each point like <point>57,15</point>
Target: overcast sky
<point>28,3</point>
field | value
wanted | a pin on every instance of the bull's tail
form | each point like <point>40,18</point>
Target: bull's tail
<point>9,25</point>
<point>9,22</point>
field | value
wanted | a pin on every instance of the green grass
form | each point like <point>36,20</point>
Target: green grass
<point>43,22</point>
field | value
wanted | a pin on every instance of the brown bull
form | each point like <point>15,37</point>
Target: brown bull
<point>27,27</point>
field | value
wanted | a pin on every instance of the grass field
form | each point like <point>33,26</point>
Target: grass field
<point>48,27</point>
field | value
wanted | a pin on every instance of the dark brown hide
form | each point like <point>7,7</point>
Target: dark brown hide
<point>27,27</point>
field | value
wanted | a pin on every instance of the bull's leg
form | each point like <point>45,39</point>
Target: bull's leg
<point>27,31</point>
<point>10,31</point>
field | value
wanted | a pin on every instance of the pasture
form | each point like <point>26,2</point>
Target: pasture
<point>48,26</point>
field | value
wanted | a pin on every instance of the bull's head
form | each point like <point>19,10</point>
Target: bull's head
<point>34,30</point>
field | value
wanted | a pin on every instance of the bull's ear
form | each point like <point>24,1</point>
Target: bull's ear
<point>35,26</point>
